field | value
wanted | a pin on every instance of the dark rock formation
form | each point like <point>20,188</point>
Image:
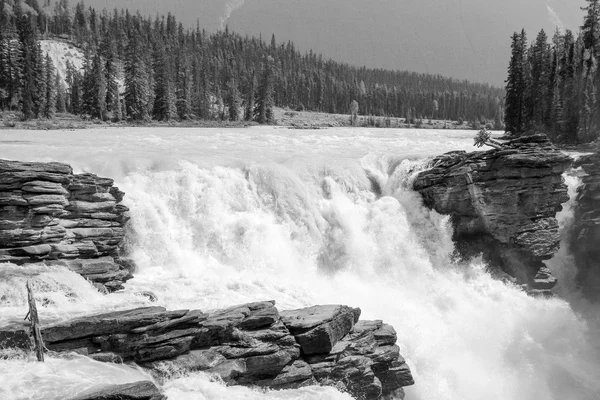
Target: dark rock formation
<point>503,204</point>
<point>50,215</point>
<point>144,390</point>
<point>249,344</point>
<point>586,227</point>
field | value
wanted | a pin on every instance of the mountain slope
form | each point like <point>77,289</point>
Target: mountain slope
<point>467,39</point>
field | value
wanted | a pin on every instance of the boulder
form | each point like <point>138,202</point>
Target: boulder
<point>503,204</point>
<point>317,329</point>
<point>48,214</point>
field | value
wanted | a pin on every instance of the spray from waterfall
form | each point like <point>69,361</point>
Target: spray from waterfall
<point>230,7</point>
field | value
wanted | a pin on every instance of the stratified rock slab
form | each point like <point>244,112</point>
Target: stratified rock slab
<point>48,214</point>
<point>503,203</point>
<point>248,344</point>
<point>317,329</point>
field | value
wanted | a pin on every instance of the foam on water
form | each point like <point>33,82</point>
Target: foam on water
<point>60,378</point>
<point>230,216</point>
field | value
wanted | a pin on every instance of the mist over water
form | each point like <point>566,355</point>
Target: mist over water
<point>221,217</point>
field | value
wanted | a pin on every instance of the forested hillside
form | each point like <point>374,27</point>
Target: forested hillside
<point>553,87</point>
<point>175,73</point>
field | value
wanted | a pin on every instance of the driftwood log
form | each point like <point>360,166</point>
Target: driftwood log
<point>32,315</point>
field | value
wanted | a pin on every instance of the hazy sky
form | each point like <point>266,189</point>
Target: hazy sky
<point>459,38</point>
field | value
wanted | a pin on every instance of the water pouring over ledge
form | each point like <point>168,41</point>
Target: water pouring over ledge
<point>221,217</point>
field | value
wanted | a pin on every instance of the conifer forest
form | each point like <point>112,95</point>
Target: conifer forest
<point>552,85</point>
<point>139,68</point>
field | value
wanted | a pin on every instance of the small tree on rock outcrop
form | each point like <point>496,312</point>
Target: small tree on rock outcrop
<point>484,138</point>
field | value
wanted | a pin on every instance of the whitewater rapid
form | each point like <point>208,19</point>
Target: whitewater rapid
<point>226,216</point>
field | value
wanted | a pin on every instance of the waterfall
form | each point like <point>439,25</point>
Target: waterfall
<point>211,230</point>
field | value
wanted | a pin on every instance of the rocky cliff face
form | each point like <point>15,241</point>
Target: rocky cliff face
<point>252,344</point>
<point>586,228</point>
<point>50,215</point>
<point>503,204</point>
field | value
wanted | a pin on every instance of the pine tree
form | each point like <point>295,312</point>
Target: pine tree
<point>164,94</point>
<point>250,99</point>
<point>30,65</point>
<point>589,79</point>
<point>184,88</point>
<point>540,76</point>
<point>110,76</point>
<point>50,101</point>
<point>61,97</point>
<point>4,69</point>
<point>41,83</point>
<point>137,86</point>
<point>94,90</point>
<point>515,88</point>
<point>591,26</point>
<point>234,101</point>
<point>263,112</point>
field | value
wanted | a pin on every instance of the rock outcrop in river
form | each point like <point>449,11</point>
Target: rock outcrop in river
<point>251,344</point>
<point>586,227</point>
<point>50,215</point>
<point>503,204</point>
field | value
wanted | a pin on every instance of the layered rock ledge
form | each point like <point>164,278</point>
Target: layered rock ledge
<point>503,205</point>
<point>50,215</point>
<point>585,235</point>
<point>251,344</point>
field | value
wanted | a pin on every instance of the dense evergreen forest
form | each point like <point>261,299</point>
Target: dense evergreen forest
<point>553,87</point>
<point>168,72</point>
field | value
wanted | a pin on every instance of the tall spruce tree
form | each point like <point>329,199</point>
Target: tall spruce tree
<point>251,98</point>
<point>515,88</point>
<point>540,76</point>
<point>30,64</point>
<point>183,87</point>
<point>50,78</point>
<point>234,101</point>
<point>137,83</point>
<point>61,97</point>
<point>263,112</point>
<point>164,89</point>
<point>94,89</point>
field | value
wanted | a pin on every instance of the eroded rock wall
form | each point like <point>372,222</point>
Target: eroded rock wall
<point>50,215</point>
<point>503,204</point>
<point>585,239</point>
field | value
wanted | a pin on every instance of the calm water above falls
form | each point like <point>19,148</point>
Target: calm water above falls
<point>221,217</point>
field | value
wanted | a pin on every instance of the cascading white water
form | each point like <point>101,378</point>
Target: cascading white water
<point>221,217</point>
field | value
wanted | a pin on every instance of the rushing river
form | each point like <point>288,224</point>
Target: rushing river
<point>226,216</point>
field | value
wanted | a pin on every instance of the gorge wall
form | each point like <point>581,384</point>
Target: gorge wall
<point>585,236</point>
<point>50,215</point>
<point>503,205</point>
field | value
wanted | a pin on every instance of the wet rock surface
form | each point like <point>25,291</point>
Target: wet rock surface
<point>251,344</point>
<point>585,236</point>
<point>144,390</point>
<point>503,204</point>
<point>52,216</point>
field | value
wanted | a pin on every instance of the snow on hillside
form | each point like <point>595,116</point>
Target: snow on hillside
<point>60,53</point>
